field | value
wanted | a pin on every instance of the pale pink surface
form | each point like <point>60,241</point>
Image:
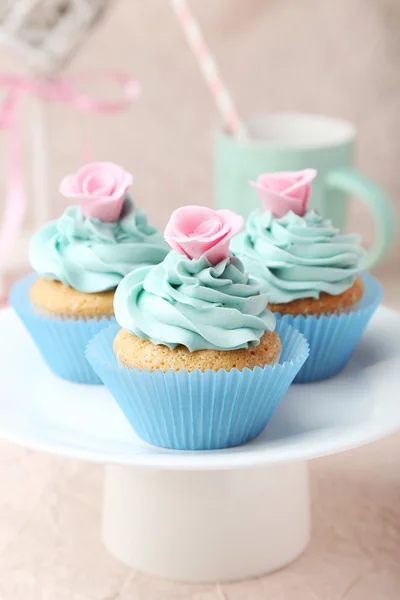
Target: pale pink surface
<point>285,191</point>
<point>200,231</point>
<point>100,189</point>
<point>51,548</point>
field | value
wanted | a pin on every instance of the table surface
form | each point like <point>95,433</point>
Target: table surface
<point>50,546</point>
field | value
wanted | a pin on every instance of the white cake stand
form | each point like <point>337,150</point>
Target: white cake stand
<point>203,516</point>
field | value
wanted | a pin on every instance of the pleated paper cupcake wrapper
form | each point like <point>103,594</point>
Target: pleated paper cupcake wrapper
<point>333,338</point>
<point>198,411</point>
<point>61,341</point>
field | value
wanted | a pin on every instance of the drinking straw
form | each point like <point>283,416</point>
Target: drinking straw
<point>209,68</point>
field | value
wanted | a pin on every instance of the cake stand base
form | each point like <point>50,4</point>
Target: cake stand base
<point>207,526</point>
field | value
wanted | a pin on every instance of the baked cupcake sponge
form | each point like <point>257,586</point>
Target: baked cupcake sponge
<point>326,303</point>
<point>134,352</point>
<point>59,300</point>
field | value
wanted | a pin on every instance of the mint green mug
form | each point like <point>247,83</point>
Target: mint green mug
<point>295,141</point>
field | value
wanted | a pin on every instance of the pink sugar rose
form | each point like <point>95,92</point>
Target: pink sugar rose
<point>100,189</point>
<point>282,192</point>
<point>199,231</point>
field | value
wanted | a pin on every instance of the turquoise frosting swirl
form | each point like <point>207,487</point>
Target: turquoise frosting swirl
<point>92,256</point>
<point>190,302</point>
<point>298,257</point>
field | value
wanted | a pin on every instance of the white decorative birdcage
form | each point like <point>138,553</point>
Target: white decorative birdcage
<point>46,33</point>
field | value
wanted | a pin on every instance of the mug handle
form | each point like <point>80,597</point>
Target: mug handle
<point>382,209</point>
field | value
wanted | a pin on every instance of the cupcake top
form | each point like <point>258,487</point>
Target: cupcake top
<point>295,251</point>
<point>94,244</point>
<point>199,296</point>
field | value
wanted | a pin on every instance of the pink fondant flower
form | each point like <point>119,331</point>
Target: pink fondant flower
<point>199,231</point>
<point>100,189</point>
<point>282,192</point>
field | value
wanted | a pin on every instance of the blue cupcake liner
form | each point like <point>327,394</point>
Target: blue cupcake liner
<point>198,411</point>
<point>61,342</point>
<point>333,338</point>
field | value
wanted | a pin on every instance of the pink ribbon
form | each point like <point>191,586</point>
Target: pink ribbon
<point>66,91</point>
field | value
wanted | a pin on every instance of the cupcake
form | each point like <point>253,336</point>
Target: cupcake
<point>79,260</point>
<point>311,270</point>
<point>197,363</point>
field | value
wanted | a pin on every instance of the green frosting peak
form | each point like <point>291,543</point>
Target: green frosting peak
<point>298,256</point>
<point>92,256</point>
<point>190,302</point>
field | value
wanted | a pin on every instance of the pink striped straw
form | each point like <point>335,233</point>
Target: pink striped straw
<point>209,69</point>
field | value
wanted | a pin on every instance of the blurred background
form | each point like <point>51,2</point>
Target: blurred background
<point>337,58</point>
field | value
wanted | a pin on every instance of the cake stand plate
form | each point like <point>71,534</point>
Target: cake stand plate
<point>213,515</point>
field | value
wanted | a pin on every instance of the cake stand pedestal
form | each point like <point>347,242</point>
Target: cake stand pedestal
<point>204,516</point>
<point>207,525</point>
